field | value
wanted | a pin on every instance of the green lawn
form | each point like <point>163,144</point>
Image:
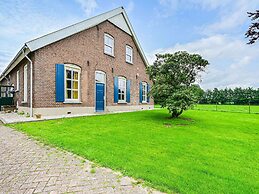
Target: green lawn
<point>201,152</point>
<point>227,108</point>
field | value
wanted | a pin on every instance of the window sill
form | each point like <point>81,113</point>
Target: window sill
<point>24,102</point>
<point>122,102</point>
<point>72,102</point>
<point>131,63</point>
<point>144,102</point>
<point>109,55</point>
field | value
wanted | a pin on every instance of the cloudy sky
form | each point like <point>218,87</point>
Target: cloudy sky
<point>213,28</point>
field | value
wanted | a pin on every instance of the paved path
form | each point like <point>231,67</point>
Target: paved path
<point>27,166</point>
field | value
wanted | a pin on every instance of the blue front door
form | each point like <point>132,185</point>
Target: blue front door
<point>99,98</point>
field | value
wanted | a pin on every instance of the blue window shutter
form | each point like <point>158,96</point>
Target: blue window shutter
<point>116,89</point>
<point>128,92</point>
<point>148,92</point>
<point>140,92</point>
<point>60,87</point>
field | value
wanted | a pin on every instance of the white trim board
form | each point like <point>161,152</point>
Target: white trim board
<point>55,111</point>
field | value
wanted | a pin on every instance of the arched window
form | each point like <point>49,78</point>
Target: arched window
<point>72,83</point>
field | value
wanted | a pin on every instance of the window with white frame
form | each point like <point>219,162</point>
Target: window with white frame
<point>72,83</point>
<point>108,44</point>
<point>18,80</point>
<point>25,83</point>
<point>144,92</point>
<point>122,89</point>
<point>129,54</point>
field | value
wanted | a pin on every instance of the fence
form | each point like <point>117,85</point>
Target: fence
<point>253,109</point>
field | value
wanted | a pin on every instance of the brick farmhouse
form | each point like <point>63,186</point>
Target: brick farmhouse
<point>96,65</point>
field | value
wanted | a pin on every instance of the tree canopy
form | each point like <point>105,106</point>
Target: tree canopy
<point>239,96</point>
<point>173,78</point>
<point>253,30</point>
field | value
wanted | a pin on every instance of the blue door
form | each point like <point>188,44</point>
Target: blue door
<point>99,98</point>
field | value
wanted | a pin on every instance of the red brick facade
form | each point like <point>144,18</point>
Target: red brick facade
<point>85,49</point>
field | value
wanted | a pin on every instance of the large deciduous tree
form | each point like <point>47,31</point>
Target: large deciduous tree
<point>253,30</point>
<point>174,76</point>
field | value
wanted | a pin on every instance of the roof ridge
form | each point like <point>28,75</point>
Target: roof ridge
<point>118,8</point>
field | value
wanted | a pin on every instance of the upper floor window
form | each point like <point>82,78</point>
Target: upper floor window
<point>72,83</point>
<point>129,54</point>
<point>144,92</point>
<point>122,89</point>
<point>108,44</point>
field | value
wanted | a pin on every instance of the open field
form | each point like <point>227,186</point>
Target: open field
<point>228,108</point>
<point>200,152</point>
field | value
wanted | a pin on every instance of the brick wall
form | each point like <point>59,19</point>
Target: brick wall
<point>18,96</point>
<point>86,49</point>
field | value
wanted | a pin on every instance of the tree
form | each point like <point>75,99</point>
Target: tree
<point>253,30</point>
<point>173,76</point>
<point>198,92</point>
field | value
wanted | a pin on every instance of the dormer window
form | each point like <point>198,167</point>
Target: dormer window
<point>129,54</point>
<point>108,44</point>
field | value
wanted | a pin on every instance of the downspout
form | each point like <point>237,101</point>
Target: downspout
<point>31,113</point>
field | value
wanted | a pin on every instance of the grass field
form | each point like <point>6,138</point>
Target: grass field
<point>227,108</point>
<point>200,152</point>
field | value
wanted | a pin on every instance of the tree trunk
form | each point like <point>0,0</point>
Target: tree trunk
<point>176,113</point>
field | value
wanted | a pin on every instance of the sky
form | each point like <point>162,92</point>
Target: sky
<point>212,28</point>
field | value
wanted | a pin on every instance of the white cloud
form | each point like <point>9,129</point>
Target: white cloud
<point>88,6</point>
<point>5,58</point>
<point>169,7</point>
<point>232,15</point>
<point>20,22</point>
<point>231,60</point>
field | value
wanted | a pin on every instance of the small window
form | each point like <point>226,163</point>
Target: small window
<point>18,80</point>
<point>122,89</point>
<point>99,77</point>
<point>144,92</point>
<point>72,83</point>
<point>108,44</point>
<point>129,54</point>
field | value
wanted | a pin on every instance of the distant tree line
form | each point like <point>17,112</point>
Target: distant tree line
<point>239,96</point>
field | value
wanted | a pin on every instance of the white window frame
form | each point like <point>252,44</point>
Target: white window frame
<point>108,44</point>
<point>25,83</point>
<point>129,53</point>
<point>144,92</point>
<point>120,89</point>
<point>18,80</point>
<point>72,68</point>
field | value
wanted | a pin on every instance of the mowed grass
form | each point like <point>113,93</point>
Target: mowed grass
<point>228,108</point>
<point>200,152</point>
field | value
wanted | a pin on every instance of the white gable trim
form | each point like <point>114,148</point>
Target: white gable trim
<point>117,16</point>
<point>70,30</point>
<point>119,21</point>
